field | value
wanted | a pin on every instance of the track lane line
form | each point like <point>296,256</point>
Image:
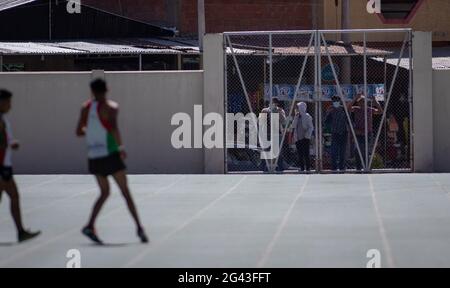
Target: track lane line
<point>381,228</point>
<point>63,235</point>
<point>269,248</point>
<point>135,260</point>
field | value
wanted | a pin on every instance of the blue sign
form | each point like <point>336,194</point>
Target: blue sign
<point>328,91</point>
<point>286,92</point>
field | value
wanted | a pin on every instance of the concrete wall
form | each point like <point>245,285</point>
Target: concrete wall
<point>423,102</point>
<point>46,107</point>
<point>213,62</point>
<point>441,109</point>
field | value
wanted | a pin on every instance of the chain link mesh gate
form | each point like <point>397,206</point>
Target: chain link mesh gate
<point>355,90</point>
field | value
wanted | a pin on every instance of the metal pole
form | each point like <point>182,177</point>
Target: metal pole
<point>411,104</point>
<point>366,120</point>
<point>201,22</point>
<point>385,123</point>
<point>315,97</point>
<point>225,103</point>
<point>1,63</point>
<point>273,164</point>
<point>345,20</point>
<point>179,62</point>
<point>314,15</point>
<point>265,70</point>
<point>50,19</point>
<point>270,69</point>
<point>346,39</point>
<point>319,102</point>
<point>140,62</point>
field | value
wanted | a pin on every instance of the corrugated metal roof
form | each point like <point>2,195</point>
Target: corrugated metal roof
<point>110,46</point>
<point>333,49</point>
<point>441,59</point>
<point>7,4</point>
<point>439,63</point>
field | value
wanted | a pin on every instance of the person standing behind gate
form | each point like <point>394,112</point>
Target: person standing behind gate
<point>357,107</point>
<point>336,119</point>
<point>275,107</point>
<point>303,129</point>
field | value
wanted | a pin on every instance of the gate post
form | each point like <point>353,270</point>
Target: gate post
<point>213,96</point>
<point>423,102</point>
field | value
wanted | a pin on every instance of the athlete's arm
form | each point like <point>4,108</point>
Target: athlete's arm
<point>15,145</point>
<point>113,115</point>
<point>82,122</point>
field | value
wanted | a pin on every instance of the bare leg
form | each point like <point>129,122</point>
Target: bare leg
<point>11,189</point>
<point>104,194</point>
<point>121,180</point>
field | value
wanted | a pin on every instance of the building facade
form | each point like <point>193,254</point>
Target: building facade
<point>221,15</point>
<point>420,15</point>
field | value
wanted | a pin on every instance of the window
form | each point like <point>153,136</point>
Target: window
<point>399,11</point>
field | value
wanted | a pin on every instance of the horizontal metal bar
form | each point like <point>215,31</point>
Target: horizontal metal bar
<point>135,54</point>
<point>290,32</point>
<point>249,33</point>
<point>393,30</point>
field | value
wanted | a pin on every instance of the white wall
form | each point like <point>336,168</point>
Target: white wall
<point>441,119</point>
<point>213,64</point>
<point>423,102</point>
<point>46,107</point>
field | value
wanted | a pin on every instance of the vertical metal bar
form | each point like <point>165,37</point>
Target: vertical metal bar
<point>319,102</point>
<point>179,62</point>
<point>140,62</point>
<point>385,123</point>
<point>270,69</point>
<point>50,19</point>
<point>273,164</point>
<point>411,103</point>
<point>1,63</point>
<point>316,96</point>
<point>225,102</point>
<point>265,70</point>
<point>341,95</point>
<point>386,106</point>
<point>366,120</point>
<point>201,22</point>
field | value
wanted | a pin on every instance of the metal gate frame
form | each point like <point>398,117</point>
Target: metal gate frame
<point>316,41</point>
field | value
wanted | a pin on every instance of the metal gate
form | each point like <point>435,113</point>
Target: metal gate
<point>342,99</point>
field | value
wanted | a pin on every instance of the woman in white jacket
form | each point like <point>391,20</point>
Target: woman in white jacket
<point>303,130</point>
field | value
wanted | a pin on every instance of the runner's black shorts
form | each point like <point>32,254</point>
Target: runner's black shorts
<point>106,166</point>
<point>6,173</point>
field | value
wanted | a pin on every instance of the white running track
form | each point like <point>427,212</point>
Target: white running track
<point>238,221</point>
